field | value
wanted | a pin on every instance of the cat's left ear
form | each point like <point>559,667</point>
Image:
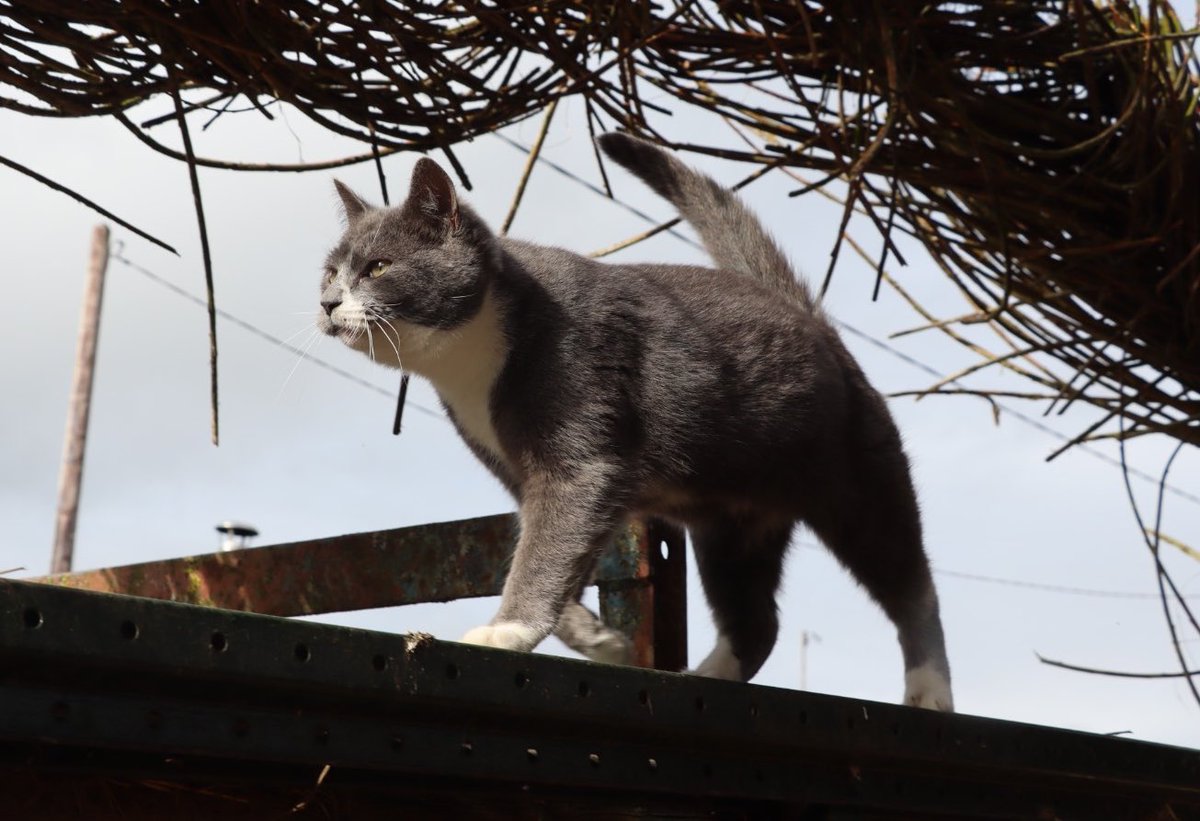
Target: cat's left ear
<point>353,204</point>
<point>431,194</point>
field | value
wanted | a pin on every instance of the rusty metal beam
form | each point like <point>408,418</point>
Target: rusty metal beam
<point>668,568</point>
<point>626,596</point>
<point>428,563</point>
<point>643,592</point>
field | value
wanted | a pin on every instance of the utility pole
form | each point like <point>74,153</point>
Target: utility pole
<point>79,405</point>
<point>806,637</point>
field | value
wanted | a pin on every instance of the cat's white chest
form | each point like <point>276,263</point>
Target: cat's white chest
<point>471,406</point>
<point>465,370</point>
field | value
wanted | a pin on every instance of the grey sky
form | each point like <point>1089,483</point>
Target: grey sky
<point>312,455</point>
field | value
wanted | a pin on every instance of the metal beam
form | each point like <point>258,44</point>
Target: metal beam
<point>136,680</point>
<point>411,565</point>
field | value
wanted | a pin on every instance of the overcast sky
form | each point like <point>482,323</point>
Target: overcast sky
<point>305,453</point>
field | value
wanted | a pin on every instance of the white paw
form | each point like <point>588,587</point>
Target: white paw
<point>507,635</point>
<point>610,647</point>
<point>721,663</point>
<point>927,688</point>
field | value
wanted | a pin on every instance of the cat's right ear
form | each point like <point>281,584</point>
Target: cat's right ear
<point>351,202</point>
<point>431,195</point>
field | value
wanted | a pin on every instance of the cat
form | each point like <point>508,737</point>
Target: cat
<point>718,398</point>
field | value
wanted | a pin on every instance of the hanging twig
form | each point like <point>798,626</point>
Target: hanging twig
<point>1163,577</point>
<point>49,183</point>
<point>534,152</point>
<point>402,393</point>
<point>208,274</point>
<point>1118,673</point>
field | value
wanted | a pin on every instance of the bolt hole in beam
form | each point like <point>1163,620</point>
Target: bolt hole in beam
<point>302,652</point>
<point>644,698</point>
<point>32,618</point>
<point>380,662</point>
<point>585,689</point>
<point>521,679</point>
<point>451,671</point>
<point>218,642</point>
<point>129,630</point>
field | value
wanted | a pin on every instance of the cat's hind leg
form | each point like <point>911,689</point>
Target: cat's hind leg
<point>584,632</point>
<point>868,518</point>
<point>740,562</point>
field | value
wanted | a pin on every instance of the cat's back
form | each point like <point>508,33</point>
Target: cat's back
<point>666,292</point>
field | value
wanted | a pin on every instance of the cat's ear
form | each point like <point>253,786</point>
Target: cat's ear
<point>353,205</point>
<point>431,195</point>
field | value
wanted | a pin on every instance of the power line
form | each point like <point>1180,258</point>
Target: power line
<point>260,333</point>
<point>879,343</point>
<point>1050,588</point>
<point>1062,589</point>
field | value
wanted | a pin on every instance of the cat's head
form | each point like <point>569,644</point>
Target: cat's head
<point>400,277</point>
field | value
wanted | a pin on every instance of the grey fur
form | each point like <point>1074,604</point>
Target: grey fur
<point>690,393</point>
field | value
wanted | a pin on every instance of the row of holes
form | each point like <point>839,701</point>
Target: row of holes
<point>219,643</point>
<point>240,728</point>
<point>521,679</point>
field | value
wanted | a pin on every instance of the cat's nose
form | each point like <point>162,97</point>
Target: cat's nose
<point>329,305</point>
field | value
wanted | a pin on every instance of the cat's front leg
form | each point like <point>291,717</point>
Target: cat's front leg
<point>566,520</point>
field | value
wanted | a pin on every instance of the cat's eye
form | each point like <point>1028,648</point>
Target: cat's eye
<point>378,268</point>
<point>330,275</point>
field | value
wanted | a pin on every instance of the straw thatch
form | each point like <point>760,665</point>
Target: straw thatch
<point>1046,153</point>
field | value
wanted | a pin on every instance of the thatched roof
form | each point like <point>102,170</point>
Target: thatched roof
<point>1046,153</point>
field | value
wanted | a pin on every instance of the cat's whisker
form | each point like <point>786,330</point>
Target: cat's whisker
<point>384,325</point>
<point>370,343</point>
<point>312,326</point>
<point>308,343</point>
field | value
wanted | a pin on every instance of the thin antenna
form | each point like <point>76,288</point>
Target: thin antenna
<point>236,535</point>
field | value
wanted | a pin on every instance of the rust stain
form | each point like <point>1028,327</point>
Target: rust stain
<point>427,563</point>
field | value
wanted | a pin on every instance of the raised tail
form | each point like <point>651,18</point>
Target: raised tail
<point>733,236</point>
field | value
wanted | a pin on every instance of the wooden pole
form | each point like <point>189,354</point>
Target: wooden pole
<point>80,402</point>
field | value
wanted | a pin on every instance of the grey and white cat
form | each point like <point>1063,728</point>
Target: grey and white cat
<point>720,398</point>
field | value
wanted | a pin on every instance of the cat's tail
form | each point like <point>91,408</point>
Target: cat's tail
<point>733,236</point>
